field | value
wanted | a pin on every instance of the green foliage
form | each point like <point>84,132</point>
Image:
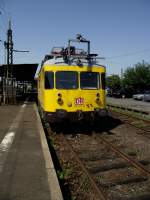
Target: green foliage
<point>113,82</point>
<point>137,77</point>
<point>61,174</point>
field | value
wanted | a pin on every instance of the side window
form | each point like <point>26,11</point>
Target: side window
<point>49,80</point>
<point>103,81</point>
<point>39,81</point>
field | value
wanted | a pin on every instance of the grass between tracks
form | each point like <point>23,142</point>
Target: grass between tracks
<point>62,173</point>
<point>130,113</point>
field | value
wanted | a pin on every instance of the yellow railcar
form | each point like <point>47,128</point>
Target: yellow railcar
<point>71,85</point>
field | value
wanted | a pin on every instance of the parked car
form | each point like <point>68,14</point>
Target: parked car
<point>143,96</point>
<point>138,96</point>
<point>146,96</point>
<point>123,93</point>
<point>108,92</point>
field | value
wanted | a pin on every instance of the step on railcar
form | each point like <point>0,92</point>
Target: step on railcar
<point>71,84</point>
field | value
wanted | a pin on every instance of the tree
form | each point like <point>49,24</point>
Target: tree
<point>113,82</point>
<point>137,77</point>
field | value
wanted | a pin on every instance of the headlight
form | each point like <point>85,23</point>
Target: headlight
<point>97,97</point>
<point>97,100</point>
<point>59,100</point>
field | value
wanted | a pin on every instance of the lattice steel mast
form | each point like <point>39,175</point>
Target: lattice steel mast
<point>9,48</point>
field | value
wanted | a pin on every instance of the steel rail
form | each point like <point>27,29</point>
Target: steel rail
<point>129,115</point>
<point>134,163</point>
<point>99,192</point>
<point>132,117</point>
<point>128,109</point>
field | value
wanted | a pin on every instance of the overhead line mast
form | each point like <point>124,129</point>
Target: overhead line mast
<point>9,80</point>
<point>9,47</point>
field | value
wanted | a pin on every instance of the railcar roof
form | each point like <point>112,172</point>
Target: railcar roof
<point>60,61</point>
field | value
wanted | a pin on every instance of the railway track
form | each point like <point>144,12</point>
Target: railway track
<point>134,110</point>
<point>103,170</point>
<point>140,124</point>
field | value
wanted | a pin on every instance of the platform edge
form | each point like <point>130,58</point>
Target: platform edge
<point>54,187</point>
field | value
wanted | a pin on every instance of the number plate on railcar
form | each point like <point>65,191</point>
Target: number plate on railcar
<point>79,101</point>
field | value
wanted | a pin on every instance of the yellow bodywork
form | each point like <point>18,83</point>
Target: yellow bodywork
<point>48,97</point>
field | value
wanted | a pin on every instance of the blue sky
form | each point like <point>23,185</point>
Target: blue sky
<point>119,30</point>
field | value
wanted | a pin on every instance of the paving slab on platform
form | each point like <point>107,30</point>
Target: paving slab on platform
<point>26,168</point>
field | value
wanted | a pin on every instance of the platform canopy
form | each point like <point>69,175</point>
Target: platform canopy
<point>22,72</point>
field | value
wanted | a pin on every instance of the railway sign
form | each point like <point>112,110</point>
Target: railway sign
<point>79,101</point>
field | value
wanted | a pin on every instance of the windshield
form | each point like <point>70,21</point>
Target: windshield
<point>89,80</point>
<point>49,80</point>
<point>66,80</point>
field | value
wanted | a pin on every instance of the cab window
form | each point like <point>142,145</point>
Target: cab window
<point>66,80</point>
<point>49,80</point>
<point>89,80</point>
<point>103,80</point>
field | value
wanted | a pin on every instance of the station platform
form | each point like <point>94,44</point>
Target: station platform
<point>26,168</point>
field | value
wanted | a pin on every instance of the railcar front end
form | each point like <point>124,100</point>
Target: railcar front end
<point>71,84</point>
<point>75,93</point>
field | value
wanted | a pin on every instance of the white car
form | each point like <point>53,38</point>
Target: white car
<point>138,96</point>
<point>146,96</point>
<point>143,97</point>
